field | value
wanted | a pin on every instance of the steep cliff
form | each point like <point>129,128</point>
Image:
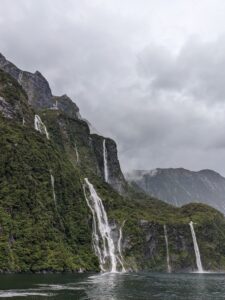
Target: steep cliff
<point>40,98</point>
<point>59,183</point>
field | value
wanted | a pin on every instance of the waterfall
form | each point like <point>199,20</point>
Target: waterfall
<point>119,246</point>
<point>167,249</point>
<point>106,172</point>
<point>20,77</point>
<point>53,188</point>
<point>55,200</point>
<point>102,236</point>
<point>40,126</point>
<point>197,252</point>
<point>77,154</point>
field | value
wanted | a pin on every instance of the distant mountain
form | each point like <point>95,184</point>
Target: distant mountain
<point>64,201</point>
<point>180,186</point>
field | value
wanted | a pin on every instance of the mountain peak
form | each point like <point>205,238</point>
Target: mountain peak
<point>179,186</point>
<point>38,90</point>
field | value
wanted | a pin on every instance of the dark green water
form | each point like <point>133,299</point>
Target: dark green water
<point>113,286</point>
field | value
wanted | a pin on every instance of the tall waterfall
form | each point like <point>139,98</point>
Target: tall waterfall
<point>55,200</point>
<point>40,126</point>
<point>105,158</point>
<point>197,252</point>
<point>102,235</point>
<point>167,249</point>
<point>119,246</point>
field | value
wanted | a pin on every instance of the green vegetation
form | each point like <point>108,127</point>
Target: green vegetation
<point>38,233</point>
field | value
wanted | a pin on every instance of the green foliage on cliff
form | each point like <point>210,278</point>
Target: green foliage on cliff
<point>38,232</point>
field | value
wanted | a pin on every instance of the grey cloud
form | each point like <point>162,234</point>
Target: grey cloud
<point>197,70</point>
<point>163,105</point>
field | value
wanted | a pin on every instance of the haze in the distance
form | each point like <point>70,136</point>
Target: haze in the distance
<point>150,74</point>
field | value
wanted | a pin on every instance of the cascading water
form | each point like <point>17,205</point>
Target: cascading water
<point>119,246</point>
<point>40,126</point>
<point>196,248</point>
<point>105,158</point>
<point>55,200</point>
<point>102,236</point>
<point>167,250</point>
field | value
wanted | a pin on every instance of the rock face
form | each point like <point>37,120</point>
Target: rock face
<point>180,186</point>
<point>40,98</point>
<point>35,85</point>
<point>13,100</point>
<point>45,221</point>
<point>115,175</point>
<point>38,89</point>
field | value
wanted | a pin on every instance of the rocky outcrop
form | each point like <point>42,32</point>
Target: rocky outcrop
<point>40,98</point>
<point>115,175</point>
<point>38,90</point>
<point>13,101</point>
<point>35,85</point>
<point>65,104</point>
<point>180,186</point>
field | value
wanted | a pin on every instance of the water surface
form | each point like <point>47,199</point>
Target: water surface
<point>113,286</point>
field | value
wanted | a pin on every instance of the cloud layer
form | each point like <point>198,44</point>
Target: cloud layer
<point>148,73</point>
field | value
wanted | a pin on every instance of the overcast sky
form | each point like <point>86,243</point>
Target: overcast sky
<point>148,73</point>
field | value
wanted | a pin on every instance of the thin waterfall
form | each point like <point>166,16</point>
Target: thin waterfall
<point>119,246</point>
<point>196,248</point>
<point>20,77</point>
<point>102,237</point>
<point>167,250</point>
<point>105,158</point>
<point>77,154</point>
<point>53,188</point>
<point>55,199</point>
<point>40,126</point>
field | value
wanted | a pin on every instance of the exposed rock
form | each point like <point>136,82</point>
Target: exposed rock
<point>180,186</point>
<point>35,85</point>
<point>115,175</point>
<point>38,90</point>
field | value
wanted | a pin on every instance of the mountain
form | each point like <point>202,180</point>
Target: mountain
<point>65,204</point>
<point>180,186</point>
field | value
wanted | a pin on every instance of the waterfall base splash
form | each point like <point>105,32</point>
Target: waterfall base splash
<point>196,248</point>
<point>103,243</point>
<point>169,269</point>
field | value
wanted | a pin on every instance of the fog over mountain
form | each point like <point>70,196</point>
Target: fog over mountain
<point>139,70</point>
<point>179,186</point>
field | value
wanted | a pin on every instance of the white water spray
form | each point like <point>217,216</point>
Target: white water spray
<point>119,246</point>
<point>196,248</point>
<point>105,158</point>
<point>102,237</point>
<point>167,250</point>
<point>40,126</point>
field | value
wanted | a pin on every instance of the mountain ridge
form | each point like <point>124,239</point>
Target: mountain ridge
<point>179,186</point>
<point>52,172</point>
